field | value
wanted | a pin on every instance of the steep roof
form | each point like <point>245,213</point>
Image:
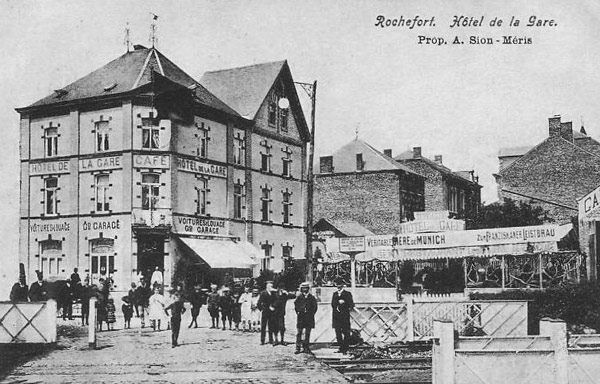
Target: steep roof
<point>374,160</point>
<point>343,227</point>
<point>407,156</point>
<point>127,73</point>
<point>244,88</point>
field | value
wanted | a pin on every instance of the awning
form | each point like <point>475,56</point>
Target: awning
<point>223,253</point>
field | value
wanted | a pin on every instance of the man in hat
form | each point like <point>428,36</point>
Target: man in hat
<point>38,290</point>
<point>196,300</point>
<point>306,307</point>
<point>213,305</point>
<point>265,304</point>
<point>226,303</point>
<point>19,290</point>
<point>281,298</point>
<point>341,304</point>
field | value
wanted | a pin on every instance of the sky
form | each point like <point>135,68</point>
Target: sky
<point>461,101</point>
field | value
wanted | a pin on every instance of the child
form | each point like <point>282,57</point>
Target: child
<point>177,308</point>
<point>213,306</point>
<point>245,309</point>
<point>156,305</point>
<point>127,309</point>
<point>110,313</point>
<point>226,305</point>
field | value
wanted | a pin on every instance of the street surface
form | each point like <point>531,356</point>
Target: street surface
<point>141,355</point>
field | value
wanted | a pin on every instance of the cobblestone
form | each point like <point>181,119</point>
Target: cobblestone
<point>204,356</point>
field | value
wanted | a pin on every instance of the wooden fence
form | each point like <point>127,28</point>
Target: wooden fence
<point>28,322</point>
<point>409,321</point>
<point>550,358</point>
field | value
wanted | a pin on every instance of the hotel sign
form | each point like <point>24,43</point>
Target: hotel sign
<point>589,205</point>
<point>49,167</point>
<point>200,226</point>
<point>441,225</point>
<point>101,163</point>
<point>151,161</point>
<point>202,168</point>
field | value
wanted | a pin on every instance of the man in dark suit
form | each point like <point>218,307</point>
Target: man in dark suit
<point>341,304</point>
<point>38,290</point>
<point>266,304</point>
<point>306,307</point>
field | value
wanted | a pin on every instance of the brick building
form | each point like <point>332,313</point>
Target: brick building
<point>137,165</point>
<point>553,174</point>
<point>445,190</point>
<point>359,183</point>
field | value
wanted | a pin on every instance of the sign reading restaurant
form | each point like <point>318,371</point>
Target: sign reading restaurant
<point>195,166</point>
<point>200,226</point>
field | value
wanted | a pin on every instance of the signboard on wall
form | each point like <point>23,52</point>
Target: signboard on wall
<point>49,167</point>
<point>352,244</point>
<point>589,206</point>
<point>200,167</point>
<point>101,163</point>
<point>200,226</point>
<point>439,225</point>
<point>151,161</point>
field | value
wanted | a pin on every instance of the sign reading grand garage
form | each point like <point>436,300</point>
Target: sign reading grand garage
<point>200,167</point>
<point>198,226</point>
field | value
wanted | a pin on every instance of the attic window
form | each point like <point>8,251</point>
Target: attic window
<point>60,92</point>
<point>110,87</point>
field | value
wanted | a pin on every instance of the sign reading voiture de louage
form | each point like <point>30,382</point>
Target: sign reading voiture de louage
<point>352,244</point>
<point>481,237</point>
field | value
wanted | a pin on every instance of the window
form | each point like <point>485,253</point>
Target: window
<point>265,263</point>
<point>150,190</point>
<point>360,165</point>
<point>50,198</point>
<point>452,199</point>
<point>286,251</point>
<point>265,164</point>
<point>202,191</point>
<point>273,110</point>
<point>237,201</point>
<point>150,134</point>
<point>51,257</point>
<point>102,254</point>
<point>287,205</point>
<point>266,204</point>
<point>287,164</point>
<point>283,115</point>
<point>238,150</point>
<point>51,141</point>
<point>102,184</point>
<point>102,129</point>
<point>202,141</point>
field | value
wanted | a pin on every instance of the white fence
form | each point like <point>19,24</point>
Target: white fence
<point>28,322</point>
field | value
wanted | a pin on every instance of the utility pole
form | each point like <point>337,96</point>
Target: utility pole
<point>310,185</point>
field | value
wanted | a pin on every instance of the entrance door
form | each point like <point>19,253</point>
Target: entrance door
<point>150,254</point>
<point>102,259</point>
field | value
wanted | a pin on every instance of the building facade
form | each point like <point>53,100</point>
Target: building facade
<point>137,166</point>
<point>553,174</point>
<point>358,183</point>
<point>445,190</point>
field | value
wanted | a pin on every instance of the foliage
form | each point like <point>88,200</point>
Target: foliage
<point>507,213</point>
<point>292,276</point>
<point>577,304</point>
<point>265,275</point>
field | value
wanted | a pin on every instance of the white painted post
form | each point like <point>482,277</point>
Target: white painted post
<point>557,330</point>
<point>92,326</point>
<point>443,352</point>
<point>410,320</point>
<point>51,320</point>
<point>353,271</point>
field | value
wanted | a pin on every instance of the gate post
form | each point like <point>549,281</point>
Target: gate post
<point>443,352</point>
<point>92,324</point>
<point>557,330</point>
<point>410,320</point>
<point>51,320</point>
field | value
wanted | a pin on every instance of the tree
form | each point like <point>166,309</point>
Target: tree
<point>507,213</point>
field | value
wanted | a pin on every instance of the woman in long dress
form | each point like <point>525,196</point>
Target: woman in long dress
<point>246,309</point>
<point>156,309</point>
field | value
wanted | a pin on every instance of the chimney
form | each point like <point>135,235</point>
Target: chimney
<point>416,152</point>
<point>326,164</point>
<point>438,159</point>
<point>554,126</point>
<point>566,131</point>
<point>387,152</point>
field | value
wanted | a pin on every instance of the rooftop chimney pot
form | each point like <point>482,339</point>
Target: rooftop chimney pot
<point>416,152</point>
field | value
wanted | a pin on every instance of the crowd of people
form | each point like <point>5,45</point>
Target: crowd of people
<point>246,309</point>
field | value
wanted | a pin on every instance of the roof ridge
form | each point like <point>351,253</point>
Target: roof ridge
<point>539,198</point>
<point>247,66</point>
<point>142,70</point>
